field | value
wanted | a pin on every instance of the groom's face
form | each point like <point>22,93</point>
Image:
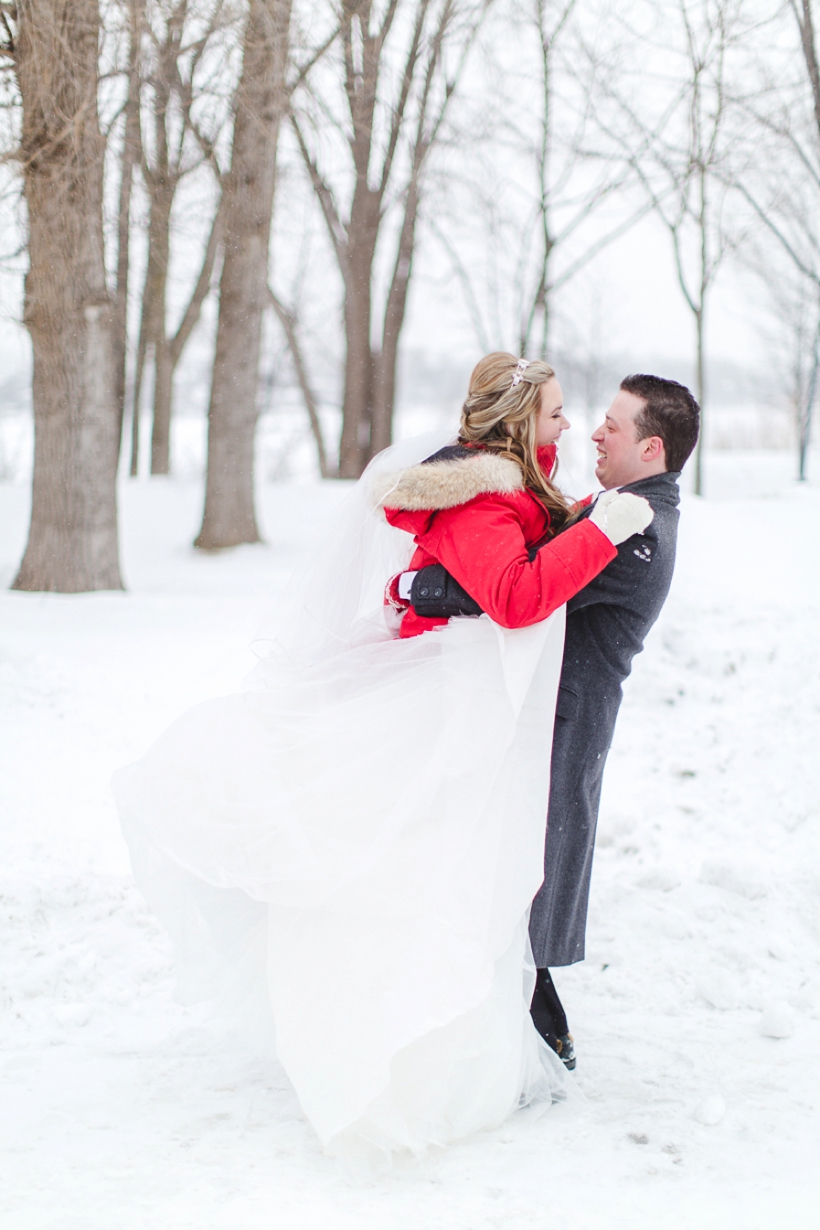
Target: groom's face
<point>622,457</point>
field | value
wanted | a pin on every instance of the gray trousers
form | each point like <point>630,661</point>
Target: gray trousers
<point>559,912</point>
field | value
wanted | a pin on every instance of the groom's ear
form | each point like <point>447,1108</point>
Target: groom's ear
<point>652,448</point>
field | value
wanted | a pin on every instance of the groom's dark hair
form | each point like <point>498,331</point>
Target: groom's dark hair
<point>670,411</point>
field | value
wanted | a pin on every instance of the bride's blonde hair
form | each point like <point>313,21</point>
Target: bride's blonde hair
<point>501,413</point>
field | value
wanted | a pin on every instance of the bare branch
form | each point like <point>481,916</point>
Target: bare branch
<point>389,15</point>
<point>470,296</point>
<point>404,93</point>
<point>600,244</point>
<point>336,228</point>
<point>375,134</point>
<point>766,219</point>
<point>288,322</point>
<point>785,133</point>
<point>317,55</point>
<point>7,48</point>
<point>200,292</point>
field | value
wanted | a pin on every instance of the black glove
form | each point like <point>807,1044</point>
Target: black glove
<point>434,594</point>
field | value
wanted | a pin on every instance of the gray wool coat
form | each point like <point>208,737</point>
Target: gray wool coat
<point>606,626</point>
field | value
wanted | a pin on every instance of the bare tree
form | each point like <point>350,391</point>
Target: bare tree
<point>783,190</point>
<point>681,159</point>
<point>794,301</point>
<point>805,392</point>
<point>72,544</point>
<point>261,101</point>
<point>540,180</point>
<point>787,208</point>
<point>177,147</point>
<point>387,139</point>
<point>563,204</point>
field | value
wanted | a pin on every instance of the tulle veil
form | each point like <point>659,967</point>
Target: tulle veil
<point>335,599</point>
<point>355,839</point>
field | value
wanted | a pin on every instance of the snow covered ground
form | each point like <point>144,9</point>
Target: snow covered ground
<point>121,1109</point>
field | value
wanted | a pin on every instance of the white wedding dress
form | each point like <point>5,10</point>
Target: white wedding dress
<point>362,830</point>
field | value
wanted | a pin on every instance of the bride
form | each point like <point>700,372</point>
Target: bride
<point>361,831</point>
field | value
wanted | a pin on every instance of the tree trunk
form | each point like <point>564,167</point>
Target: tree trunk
<point>806,412</point>
<point>155,294</point>
<point>806,25</point>
<point>72,545</point>
<point>168,350</point>
<point>385,368</point>
<point>356,406</point>
<point>129,159</point>
<point>152,340</point>
<point>163,392</point>
<point>154,345</point>
<point>370,377</point>
<point>700,385</point>
<point>136,403</point>
<point>230,517</point>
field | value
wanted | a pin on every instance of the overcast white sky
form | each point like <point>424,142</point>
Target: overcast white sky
<point>632,290</point>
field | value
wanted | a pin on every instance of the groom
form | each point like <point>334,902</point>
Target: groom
<point>647,434</point>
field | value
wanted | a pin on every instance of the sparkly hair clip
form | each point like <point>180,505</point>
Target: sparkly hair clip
<point>523,364</point>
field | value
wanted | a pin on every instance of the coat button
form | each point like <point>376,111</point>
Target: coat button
<point>424,591</point>
<point>437,593</point>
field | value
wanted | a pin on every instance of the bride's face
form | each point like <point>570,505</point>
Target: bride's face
<point>551,421</point>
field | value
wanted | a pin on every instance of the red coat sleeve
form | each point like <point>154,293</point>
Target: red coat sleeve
<point>482,544</point>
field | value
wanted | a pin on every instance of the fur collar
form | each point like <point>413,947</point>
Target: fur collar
<point>449,478</point>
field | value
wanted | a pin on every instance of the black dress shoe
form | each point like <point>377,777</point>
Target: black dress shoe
<point>550,1020</point>
<point>565,1050</point>
<point>562,1044</point>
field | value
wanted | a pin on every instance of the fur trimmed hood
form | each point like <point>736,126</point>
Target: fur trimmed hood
<point>450,477</point>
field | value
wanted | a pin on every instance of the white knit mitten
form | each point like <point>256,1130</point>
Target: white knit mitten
<point>620,514</point>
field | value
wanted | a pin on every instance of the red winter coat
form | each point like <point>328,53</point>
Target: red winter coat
<point>468,509</point>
